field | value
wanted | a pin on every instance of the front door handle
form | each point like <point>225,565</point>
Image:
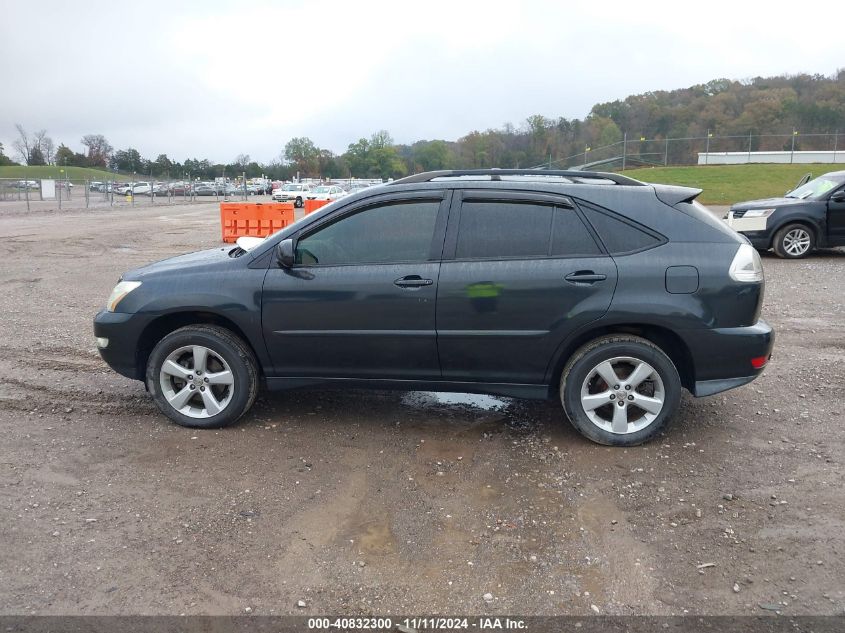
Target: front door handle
<point>412,281</point>
<point>584,277</point>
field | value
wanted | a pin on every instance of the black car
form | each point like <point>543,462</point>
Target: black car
<point>608,293</point>
<point>810,216</point>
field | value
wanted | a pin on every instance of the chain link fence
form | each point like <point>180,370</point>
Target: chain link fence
<point>638,151</point>
<point>87,193</point>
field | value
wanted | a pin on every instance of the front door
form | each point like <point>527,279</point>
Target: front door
<point>519,274</point>
<point>360,300</point>
<point>836,219</point>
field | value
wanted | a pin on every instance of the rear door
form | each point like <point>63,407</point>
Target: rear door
<point>520,273</point>
<point>359,302</point>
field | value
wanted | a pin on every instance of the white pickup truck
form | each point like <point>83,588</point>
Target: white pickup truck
<point>295,192</point>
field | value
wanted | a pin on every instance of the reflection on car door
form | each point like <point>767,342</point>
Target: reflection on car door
<point>519,274</point>
<point>360,301</point>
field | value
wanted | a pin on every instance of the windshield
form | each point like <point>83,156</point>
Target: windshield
<point>292,188</point>
<point>817,188</point>
<point>321,190</point>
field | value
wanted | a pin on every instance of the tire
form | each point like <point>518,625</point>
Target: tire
<point>298,203</point>
<point>196,400</point>
<point>794,241</point>
<point>627,356</point>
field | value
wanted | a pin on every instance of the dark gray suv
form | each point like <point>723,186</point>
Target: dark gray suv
<point>595,288</point>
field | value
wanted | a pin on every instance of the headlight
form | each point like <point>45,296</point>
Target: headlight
<point>746,265</point>
<point>122,289</point>
<point>758,213</point>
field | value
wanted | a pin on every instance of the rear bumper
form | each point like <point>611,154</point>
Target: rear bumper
<point>722,356</point>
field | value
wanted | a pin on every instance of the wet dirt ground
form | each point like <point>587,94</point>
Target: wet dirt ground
<point>390,502</point>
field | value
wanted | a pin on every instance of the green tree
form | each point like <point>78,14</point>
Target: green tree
<point>5,160</point>
<point>304,155</point>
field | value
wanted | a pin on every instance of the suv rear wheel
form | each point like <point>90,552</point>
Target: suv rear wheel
<point>620,390</point>
<point>202,376</point>
<point>794,241</point>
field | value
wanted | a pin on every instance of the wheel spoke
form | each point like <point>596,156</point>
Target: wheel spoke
<point>172,368</point>
<point>180,399</point>
<point>620,419</point>
<point>210,402</point>
<point>596,400</point>
<point>646,403</point>
<point>608,374</point>
<point>640,373</point>
<point>221,378</point>
<point>200,356</point>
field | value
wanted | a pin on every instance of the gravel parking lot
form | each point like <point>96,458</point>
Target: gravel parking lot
<point>392,502</point>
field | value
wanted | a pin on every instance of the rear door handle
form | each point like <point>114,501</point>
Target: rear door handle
<point>412,281</point>
<point>584,277</point>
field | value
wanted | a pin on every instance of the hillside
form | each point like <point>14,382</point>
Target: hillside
<point>52,171</point>
<point>726,184</point>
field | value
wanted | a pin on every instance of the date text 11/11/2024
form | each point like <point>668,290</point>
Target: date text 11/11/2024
<point>417,623</point>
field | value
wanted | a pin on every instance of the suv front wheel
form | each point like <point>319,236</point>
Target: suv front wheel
<point>794,241</point>
<point>202,376</point>
<point>620,390</point>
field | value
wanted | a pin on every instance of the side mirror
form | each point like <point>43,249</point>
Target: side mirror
<point>285,253</point>
<point>838,196</point>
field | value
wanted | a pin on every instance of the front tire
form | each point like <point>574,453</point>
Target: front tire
<point>298,203</point>
<point>620,390</point>
<point>794,241</point>
<point>202,376</point>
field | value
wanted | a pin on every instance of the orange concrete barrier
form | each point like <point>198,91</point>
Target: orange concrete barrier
<point>312,205</point>
<point>253,219</point>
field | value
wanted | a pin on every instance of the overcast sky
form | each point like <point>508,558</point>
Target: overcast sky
<point>216,79</point>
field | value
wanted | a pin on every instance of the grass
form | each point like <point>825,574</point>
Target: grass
<point>726,184</point>
<point>52,171</point>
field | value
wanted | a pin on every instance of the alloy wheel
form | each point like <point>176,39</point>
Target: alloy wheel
<point>622,395</point>
<point>196,381</point>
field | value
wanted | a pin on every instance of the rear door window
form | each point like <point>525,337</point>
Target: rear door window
<point>504,229</point>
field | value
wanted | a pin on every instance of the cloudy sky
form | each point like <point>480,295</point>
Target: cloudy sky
<point>216,79</point>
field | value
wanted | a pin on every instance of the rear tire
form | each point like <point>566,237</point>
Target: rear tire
<point>620,368</point>
<point>202,376</point>
<point>794,241</point>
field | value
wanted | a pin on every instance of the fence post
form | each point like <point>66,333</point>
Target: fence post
<point>792,151</point>
<point>835,137</point>
<point>624,148</point>
<point>749,148</point>
<point>666,153</point>
<point>707,148</point>
<point>26,188</point>
<point>87,195</point>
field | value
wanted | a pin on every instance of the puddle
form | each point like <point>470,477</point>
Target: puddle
<point>422,399</point>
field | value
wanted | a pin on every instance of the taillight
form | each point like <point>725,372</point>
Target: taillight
<point>746,265</point>
<point>759,362</point>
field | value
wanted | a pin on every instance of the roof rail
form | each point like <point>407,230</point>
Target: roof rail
<point>496,174</point>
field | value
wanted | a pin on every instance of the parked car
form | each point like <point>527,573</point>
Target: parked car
<point>295,192</point>
<point>205,189</point>
<point>597,289</point>
<point>26,184</point>
<point>326,192</point>
<point>810,216</point>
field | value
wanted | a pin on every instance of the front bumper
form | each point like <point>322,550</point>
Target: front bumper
<point>722,356</point>
<point>123,331</point>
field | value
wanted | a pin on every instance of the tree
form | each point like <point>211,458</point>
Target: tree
<point>22,144</point>
<point>99,149</point>
<point>242,161</point>
<point>36,157</point>
<point>304,155</point>
<point>162,165</point>
<point>5,160</point>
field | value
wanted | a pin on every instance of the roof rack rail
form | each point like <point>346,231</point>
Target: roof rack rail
<point>496,174</point>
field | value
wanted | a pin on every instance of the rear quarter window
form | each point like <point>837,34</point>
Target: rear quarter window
<point>619,236</point>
